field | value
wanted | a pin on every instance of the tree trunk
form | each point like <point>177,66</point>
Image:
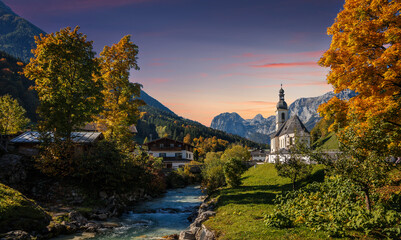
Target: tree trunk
<point>293,184</point>
<point>367,199</point>
<point>3,139</point>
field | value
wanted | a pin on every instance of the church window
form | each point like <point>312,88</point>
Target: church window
<point>282,116</point>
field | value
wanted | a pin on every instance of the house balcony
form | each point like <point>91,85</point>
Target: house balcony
<point>175,159</point>
<point>166,149</point>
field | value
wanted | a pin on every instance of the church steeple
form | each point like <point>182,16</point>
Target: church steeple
<point>282,110</point>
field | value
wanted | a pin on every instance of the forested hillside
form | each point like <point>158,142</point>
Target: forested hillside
<point>157,122</point>
<point>15,84</point>
<point>16,34</point>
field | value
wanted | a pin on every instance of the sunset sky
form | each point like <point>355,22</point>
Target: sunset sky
<point>201,58</point>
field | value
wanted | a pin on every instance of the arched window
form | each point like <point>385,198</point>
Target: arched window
<point>283,116</point>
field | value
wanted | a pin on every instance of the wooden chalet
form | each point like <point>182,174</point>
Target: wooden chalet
<point>175,154</point>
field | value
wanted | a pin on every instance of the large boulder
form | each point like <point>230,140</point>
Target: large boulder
<point>204,234</point>
<point>12,170</point>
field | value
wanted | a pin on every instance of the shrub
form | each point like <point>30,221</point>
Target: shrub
<point>233,169</point>
<point>335,206</point>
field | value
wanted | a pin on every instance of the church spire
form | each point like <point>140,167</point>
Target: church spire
<point>281,104</point>
<point>282,110</point>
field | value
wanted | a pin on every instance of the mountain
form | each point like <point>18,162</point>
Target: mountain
<point>16,34</point>
<point>259,128</point>
<point>154,103</point>
<point>177,128</point>
<point>306,108</point>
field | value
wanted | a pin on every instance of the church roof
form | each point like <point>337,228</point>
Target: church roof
<point>292,125</point>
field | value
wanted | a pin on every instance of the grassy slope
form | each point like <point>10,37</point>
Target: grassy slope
<point>329,142</point>
<point>241,210</point>
<point>20,213</point>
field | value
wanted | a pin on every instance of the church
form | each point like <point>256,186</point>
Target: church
<point>287,130</point>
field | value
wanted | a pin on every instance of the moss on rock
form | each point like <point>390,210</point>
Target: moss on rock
<point>17,212</point>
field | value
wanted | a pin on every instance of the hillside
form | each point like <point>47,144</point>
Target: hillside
<point>259,128</point>
<point>16,34</point>
<point>329,142</point>
<point>13,83</point>
<point>178,127</point>
<point>150,101</point>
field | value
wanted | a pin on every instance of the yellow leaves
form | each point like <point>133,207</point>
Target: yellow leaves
<point>365,56</point>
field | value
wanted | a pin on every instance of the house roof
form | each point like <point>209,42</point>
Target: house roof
<point>168,139</point>
<point>292,125</point>
<point>78,137</point>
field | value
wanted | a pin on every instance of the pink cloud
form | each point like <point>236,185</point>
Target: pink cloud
<point>255,103</point>
<point>312,54</point>
<point>203,75</point>
<point>261,59</point>
<point>282,65</point>
<point>302,84</point>
<point>291,76</point>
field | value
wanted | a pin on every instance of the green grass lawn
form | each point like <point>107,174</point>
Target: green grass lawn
<point>329,142</point>
<point>240,211</point>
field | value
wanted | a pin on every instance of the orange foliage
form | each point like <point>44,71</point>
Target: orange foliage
<point>365,56</point>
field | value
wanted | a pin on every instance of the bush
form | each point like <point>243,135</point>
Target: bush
<point>57,158</point>
<point>103,168</point>
<point>213,175</point>
<point>224,168</point>
<point>335,206</point>
<point>233,169</point>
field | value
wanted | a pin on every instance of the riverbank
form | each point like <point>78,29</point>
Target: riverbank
<point>164,216</point>
<point>68,206</point>
<point>240,211</point>
<point>198,231</point>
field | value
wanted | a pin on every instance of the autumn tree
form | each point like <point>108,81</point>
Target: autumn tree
<point>187,139</point>
<point>63,69</point>
<point>12,117</point>
<point>238,152</point>
<point>120,109</point>
<point>224,167</point>
<point>365,56</point>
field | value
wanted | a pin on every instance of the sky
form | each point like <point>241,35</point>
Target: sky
<point>201,58</point>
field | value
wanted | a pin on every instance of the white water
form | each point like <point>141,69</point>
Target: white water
<point>160,217</point>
